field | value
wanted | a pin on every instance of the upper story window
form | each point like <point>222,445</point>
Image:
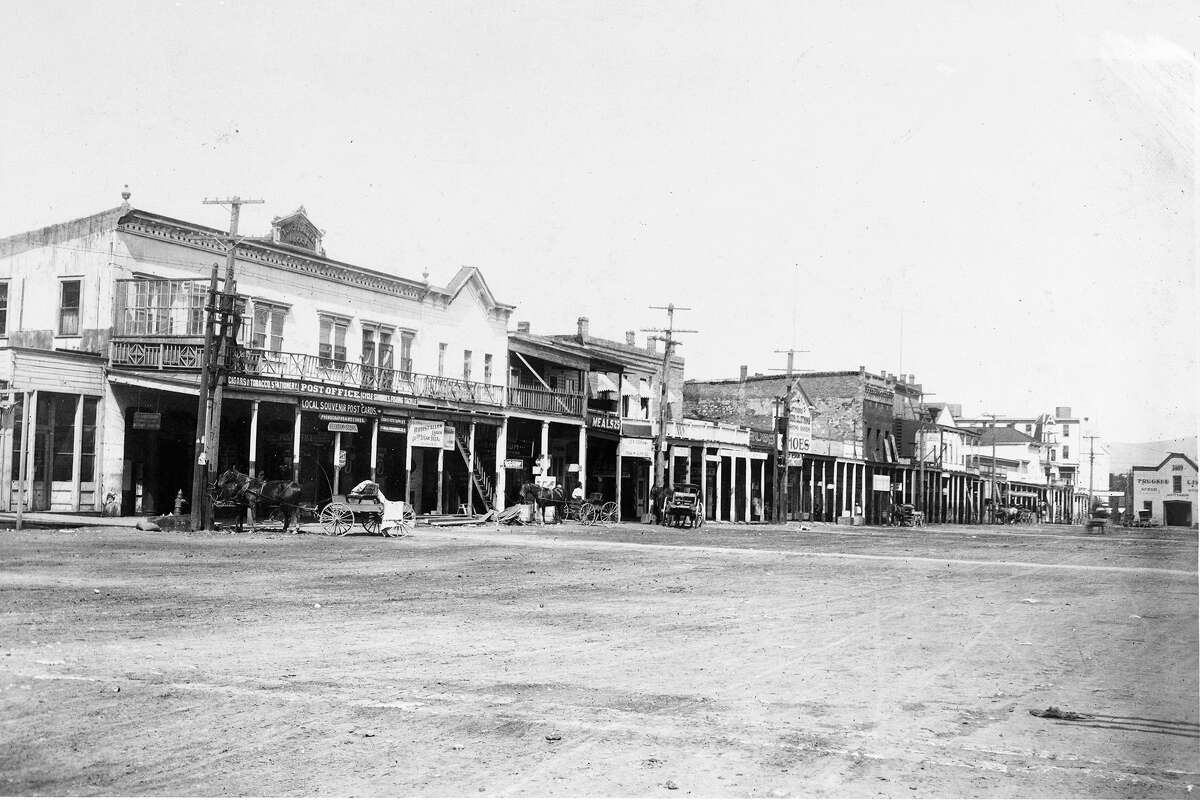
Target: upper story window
<point>1176,484</point>
<point>487,367</point>
<point>1066,430</point>
<point>1066,452</point>
<point>1052,454</point>
<point>377,349</point>
<point>441,359</point>
<point>333,339</point>
<point>267,331</point>
<point>4,308</point>
<point>406,347</point>
<point>154,307</point>
<point>467,356</point>
<point>68,307</point>
<point>1028,427</point>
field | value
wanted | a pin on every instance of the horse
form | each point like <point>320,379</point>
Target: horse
<point>248,493</point>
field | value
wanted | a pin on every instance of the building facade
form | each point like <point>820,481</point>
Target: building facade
<point>1164,494</point>
<point>339,372</point>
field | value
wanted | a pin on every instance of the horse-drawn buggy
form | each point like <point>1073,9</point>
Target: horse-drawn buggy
<point>907,516</point>
<point>683,506</point>
<point>257,498</point>
<point>366,505</point>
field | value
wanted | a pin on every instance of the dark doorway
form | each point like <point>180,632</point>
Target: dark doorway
<point>1177,513</point>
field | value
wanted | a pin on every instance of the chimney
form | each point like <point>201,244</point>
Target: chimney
<point>582,324</point>
<point>522,327</point>
<point>742,374</point>
<point>862,370</point>
<point>631,338</point>
<point>1062,412</point>
<point>955,409</point>
<point>651,345</point>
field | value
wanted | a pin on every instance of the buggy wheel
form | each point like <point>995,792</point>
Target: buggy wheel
<point>371,523</point>
<point>589,514</point>
<point>336,519</point>
<point>609,512</point>
<point>408,521</point>
<point>697,520</point>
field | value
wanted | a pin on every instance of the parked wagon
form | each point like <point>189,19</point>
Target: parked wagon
<point>364,505</point>
<point>684,507</point>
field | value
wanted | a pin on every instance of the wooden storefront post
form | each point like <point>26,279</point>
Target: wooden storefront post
<point>501,455</point>
<point>374,447</point>
<point>296,445</point>
<point>77,455</point>
<point>253,438</point>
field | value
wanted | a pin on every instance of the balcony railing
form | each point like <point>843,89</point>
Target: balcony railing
<point>300,366</point>
<point>156,355</point>
<point>570,405</point>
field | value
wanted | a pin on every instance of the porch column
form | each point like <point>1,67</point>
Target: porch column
<point>77,454</point>
<point>441,465</point>
<point>749,503</point>
<point>545,442</point>
<point>27,416</point>
<point>296,446</point>
<point>720,484</point>
<point>618,500</point>
<point>852,500</point>
<point>501,454</point>
<point>762,486</point>
<point>862,489</point>
<point>408,467</point>
<point>471,469</point>
<point>253,437</point>
<point>374,443</point>
<point>337,448</point>
<point>583,457</point>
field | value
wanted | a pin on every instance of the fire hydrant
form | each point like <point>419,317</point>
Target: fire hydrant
<point>179,501</point>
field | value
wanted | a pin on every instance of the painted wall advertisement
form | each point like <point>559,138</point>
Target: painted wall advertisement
<point>427,433</point>
<point>799,431</point>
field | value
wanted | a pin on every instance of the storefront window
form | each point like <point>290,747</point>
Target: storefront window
<point>87,459</point>
<point>63,466</point>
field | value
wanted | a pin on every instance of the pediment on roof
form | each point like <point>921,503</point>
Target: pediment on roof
<point>297,230</point>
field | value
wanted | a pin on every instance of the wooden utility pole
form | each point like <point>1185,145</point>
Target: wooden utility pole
<point>782,477</point>
<point>228,313</point>
<point>200,457</point>
<point>1091,471</point>
<point>667,337</point>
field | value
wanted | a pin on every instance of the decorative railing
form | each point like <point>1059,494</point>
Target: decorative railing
<point>570,405</point>
<point>156,355</point>
<point>300,366</point>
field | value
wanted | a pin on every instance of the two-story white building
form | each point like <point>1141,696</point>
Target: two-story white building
<point>340,372</point>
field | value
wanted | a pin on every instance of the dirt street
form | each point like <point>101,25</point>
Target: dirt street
<point>622,661</point>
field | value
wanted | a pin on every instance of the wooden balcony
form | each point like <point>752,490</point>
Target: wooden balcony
<point>166,355</point>
<point>546,402</point>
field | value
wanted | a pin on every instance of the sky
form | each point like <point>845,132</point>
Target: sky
<point>999,198</point>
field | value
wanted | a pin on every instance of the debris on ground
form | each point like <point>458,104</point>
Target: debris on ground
<point>553,737</point>
<point>671,785</point>
<point>147,525</point>
<point>1030,600</point>
<point>1054,712</point>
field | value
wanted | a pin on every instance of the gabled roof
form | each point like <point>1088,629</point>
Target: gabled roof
<point>1163,463</point>
<point>1004,435</point>
<point>467,275</point>
<point>61,232</point>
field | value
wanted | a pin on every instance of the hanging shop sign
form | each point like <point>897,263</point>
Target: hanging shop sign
<point>637,429</point>
<point>795,460</point>
<point>448,438</point>
<point>426,433</point>
<point>339,460</point>
<point>147,421</point>
<point>881,483</point>
<point>761,439</point>
<point>799,431</point>
<point>636,448</point>
<point>342,418</point>
<point>389,424</point>
<point>342,427</point>
<point>514,463</point>
<point>603,422</point>
<point>680,452</point>
<point>572,468</point>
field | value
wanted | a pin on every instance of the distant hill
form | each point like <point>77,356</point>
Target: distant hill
<point>1123,455</point>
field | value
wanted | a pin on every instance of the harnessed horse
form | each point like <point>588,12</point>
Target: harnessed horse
<point>247,493</point>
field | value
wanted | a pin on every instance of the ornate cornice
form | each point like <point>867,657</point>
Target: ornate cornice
<point>206,239</point>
